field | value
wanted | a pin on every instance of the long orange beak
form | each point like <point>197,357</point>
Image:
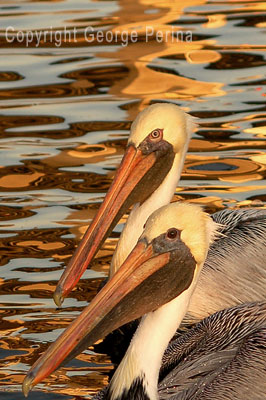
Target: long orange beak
<point>119,198</point>
<point>133,291</point>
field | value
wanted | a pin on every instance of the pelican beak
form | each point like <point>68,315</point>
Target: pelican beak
<point>132,183</point>
<point>134,290</point>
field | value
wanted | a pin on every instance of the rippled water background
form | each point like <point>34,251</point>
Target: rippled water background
<point>65,113</point>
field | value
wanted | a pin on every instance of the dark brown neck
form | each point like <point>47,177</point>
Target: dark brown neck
<point>136,391</point>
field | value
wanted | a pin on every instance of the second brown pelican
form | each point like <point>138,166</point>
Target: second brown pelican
<point>147,177</point>
<point>221,358</point>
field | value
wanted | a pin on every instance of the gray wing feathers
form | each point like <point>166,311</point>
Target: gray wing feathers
<point>233,218</point>
<point>222,358</point>
<point>235,269</point>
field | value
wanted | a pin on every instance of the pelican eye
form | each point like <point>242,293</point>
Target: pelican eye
<point>157,134</point>
<point>172,233</point>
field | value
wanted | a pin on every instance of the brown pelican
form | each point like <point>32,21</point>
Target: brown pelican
<point>221,358</point>
<point>147,177</point>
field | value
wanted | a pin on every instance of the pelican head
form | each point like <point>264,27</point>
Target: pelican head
<point>164,263</point>
<point>156,146</point>
<point>164,122</point>
<point>195,228</point>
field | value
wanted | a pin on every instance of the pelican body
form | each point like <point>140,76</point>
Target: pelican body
<point>235,267</point>
<point>157,281</point>
<point>222,357</point>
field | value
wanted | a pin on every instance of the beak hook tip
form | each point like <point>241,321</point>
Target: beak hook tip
<point>58,297</point>
<point>27,385</point>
